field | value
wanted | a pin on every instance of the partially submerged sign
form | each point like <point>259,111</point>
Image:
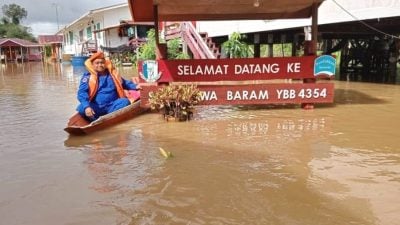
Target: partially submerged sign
<point>251,69</point>
<point>256,94</point>
<point>299,68</point>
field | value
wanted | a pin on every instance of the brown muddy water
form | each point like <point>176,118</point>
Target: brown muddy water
<point>336,164</point>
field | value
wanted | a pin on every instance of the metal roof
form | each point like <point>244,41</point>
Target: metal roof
<point>6,42</point>
<point>188,10</point>
<point>50,39</point>
<point>92,13</point>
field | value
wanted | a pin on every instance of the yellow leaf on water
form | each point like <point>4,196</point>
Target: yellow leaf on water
<point>165,153</point>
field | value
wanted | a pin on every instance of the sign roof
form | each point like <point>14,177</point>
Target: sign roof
<point>189,10</point>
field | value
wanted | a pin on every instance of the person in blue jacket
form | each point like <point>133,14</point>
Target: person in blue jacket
<point>101,89</point>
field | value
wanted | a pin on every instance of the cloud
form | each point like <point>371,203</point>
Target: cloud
<point>42,14</point>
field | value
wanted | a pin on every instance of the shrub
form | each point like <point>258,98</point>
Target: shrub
<point>175,101</point>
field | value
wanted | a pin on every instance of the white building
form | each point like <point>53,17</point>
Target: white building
<point>103,27</point>
<point>331,11</point>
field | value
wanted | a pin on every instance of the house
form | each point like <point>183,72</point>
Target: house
<point>15,49</point>
<point>55,43</point>
<point>135,31</point>
<point>101,29</point>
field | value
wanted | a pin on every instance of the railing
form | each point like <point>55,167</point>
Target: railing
<point>197,44</point>
<point>89,46</point>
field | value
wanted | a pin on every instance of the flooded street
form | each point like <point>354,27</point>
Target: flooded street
<point>336,164</point>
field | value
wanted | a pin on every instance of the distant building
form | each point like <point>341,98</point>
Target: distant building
<point>329,13</point>
<point>15,49</point>
<point>106,29</point>
<point>55,43</point>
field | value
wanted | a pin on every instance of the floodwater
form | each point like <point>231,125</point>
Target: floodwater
<point>336,164</point>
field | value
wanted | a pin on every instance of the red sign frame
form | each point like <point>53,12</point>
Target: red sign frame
<point>283,93</point>
<point>238,70</point>
<point>206,70</point>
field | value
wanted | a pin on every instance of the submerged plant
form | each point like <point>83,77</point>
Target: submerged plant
<point>175,101</point>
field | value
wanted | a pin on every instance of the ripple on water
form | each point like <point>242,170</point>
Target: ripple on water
<point>232,165</point>
<point>369,175</point>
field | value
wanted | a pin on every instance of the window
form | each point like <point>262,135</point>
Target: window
<point>98,28</point>
<point>131,32</point>
<point>81,35</point>
<point>71,37</point>
<point>142,31</point>
<point>89,32</point>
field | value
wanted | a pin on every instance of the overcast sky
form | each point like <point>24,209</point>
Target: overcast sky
<point>42,16</point>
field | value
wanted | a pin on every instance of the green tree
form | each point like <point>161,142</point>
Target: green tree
<point>175,51</point>
<point>14,13</point>
<point>10,26</point>
<point>148,50</point>
<point>11,30</point>
<point>235,47</point>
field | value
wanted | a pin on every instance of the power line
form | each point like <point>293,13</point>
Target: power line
<point>364,23</point>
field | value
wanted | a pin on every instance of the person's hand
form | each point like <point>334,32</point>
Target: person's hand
<point>135,80</point>
<point>89,112</point>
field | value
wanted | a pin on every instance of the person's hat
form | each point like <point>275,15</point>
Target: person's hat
<point>97,55</point>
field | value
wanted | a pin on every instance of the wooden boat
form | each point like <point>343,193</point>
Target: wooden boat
<point>77,125</point>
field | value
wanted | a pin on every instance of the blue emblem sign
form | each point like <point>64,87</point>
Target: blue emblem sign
<point>324,65</point>
<point>150,71</point>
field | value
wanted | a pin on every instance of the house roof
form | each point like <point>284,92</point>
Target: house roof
<point>178,10</point>
<point>92,13</point>
<point>15,42</point>
<point>50,39</point>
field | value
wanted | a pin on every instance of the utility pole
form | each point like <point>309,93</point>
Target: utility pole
<point>56,6</point>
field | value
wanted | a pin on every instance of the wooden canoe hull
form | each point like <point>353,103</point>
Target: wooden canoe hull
<point>77,125</point>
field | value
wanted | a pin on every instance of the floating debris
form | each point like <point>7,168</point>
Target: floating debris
<point>166,154</point>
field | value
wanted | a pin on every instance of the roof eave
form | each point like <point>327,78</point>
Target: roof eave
<point>143,11</point>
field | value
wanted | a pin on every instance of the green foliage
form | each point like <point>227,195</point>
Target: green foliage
<point>182,55</point>
<point>174,50</point>
<point>176,101</point>
<point>148,50</point>
<point>10,24</point>
<point>279,50</point>
<point>47,51</point>
<point>173,47</point>
<point>14,13</point>
<point>125,57</point>
<point>11,30</point>
<point>235,47</point>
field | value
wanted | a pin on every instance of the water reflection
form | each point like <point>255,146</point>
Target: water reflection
<point>359,178</point>
<point>337,164</point>
<point>225,171</point>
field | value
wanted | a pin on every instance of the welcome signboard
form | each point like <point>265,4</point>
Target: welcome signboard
<point>259,94</point>
<point>252,69</point>
<point>233,69</point>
